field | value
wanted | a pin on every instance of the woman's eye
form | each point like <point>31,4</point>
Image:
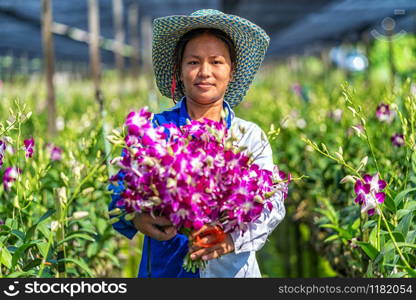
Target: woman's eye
<point>217,62</point>
<point>192,62</point>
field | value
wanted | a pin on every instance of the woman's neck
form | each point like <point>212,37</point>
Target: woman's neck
<point>199,111</point>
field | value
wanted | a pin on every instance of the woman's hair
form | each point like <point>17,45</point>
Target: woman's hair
<point>180,48</point>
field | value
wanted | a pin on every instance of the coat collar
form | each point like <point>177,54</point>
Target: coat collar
<point>183,112</point>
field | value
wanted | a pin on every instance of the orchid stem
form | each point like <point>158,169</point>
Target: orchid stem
<point>394,240</point>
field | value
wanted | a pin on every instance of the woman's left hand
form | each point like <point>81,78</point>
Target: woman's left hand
<point>215,251</point>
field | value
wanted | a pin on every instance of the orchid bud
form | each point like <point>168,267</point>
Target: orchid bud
<point>54,226</point>
<point>258,199</point>
<point>79,215</point>
<point>114,220</point>
<point>347,178</point>
<point>148,162</point>
<point>155,200</point>
<point>130,216</point>
<point>87,191</point>
<point>364,161</point>
<point>339,156</point>
<point>114,212</point>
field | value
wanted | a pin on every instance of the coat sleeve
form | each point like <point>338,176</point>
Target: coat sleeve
<point>256,235</point>
<point>123,226</point>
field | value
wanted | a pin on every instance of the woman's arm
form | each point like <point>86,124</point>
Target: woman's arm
<point>255,237</point>
<point>123,226</point>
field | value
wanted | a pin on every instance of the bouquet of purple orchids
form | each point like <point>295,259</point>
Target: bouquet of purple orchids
<point>194,175</point>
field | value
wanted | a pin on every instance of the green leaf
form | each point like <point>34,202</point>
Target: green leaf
<point>411,272</point>
<point>32,229</point>
<point>79,263</point>
<point>19,234</point>
<point>399,237</point>
<point>43,249</point>
<point>404,224</point>
<point>92,249</point>
<point>21,274</point>
<point>369,224</point>
<point>5,257</point>
<point>390,204</point>
<point>400,196</point>
<point>331,238</point>
<point>406,245</point>
<point>342,232</point>
<point>32,264</point>
<point>49,213</point>
<point>411,236</point>
<point>76,236</point>
<point>373,237</point>
<point>20,251</point>
<point>368,249</point>
<point>356,224</point>
<point>45,230</point>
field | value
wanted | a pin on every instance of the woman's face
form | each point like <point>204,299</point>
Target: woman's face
<point>206,69</point>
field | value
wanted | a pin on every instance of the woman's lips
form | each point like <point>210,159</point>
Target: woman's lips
<point>204,85</point>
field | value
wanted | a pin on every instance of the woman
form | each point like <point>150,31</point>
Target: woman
<point>206,60</point>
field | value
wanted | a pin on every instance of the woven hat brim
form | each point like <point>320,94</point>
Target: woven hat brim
<point>250,41</point>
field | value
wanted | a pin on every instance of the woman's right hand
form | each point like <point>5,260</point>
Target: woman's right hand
<point>158,228</point>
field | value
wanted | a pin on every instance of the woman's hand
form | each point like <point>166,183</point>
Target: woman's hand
<point>158,228</point>
<point>215,251</point>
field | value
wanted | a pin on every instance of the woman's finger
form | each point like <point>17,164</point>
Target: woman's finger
<point>162,221</point>
<point>213,254</point>
<point>208,239</point>
<point>203,251</point>
<point>198,232</point>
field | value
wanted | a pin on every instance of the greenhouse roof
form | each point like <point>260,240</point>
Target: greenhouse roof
<point>293,25</point>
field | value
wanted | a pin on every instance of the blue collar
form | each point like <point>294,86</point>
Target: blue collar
<point>183,112</point>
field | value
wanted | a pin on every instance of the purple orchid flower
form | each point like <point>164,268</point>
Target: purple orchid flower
<point>2,150</point>
<point>54,151</point>
<point>29,144</point>
<point>384,113</point>
<point>397,140</point>
<point>10,175</point>
<point>369,193</point>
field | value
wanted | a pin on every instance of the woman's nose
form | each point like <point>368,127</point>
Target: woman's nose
<point>204,70</point>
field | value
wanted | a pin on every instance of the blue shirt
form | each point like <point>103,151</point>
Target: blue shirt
<point>161,258</point>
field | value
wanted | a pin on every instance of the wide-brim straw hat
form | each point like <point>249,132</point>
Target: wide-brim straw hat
<point>249,39</point>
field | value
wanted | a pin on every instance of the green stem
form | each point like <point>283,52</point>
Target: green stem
<point>372,150</point>
<point>42,266</point>
<point>378,233</point>
<point>394,241</point>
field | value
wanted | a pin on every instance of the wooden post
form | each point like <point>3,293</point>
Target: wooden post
<point>146,27</point>
<point>95,58</point>
<point>119,35</point>
<point>388,25</point>
<point>134,37</point>
<point>49,63</point>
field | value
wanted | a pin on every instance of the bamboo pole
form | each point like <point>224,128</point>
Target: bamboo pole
<point>49,63</point>
<point>118,35</point>
<point>134,37</point>
<point>146,27</point>
<point>95,61</point>
<point>95,57</point>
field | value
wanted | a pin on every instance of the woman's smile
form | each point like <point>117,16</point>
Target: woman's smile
<point>204,85</point>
